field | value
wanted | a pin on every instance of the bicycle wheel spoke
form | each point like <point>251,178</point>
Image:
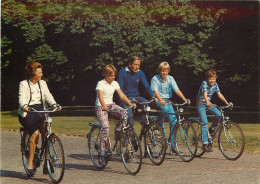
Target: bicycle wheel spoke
<point>155,144</point>
<point>131,152</point>
<point>25,151</point>
<point>94,146</point>
<point>231,141</point>
<point>197,129</point>
<point>185,140</point>
<point>55,159</point>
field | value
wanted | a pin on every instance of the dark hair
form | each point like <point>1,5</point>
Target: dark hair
<point>132,59</point>
<point>108,70</point>
<point>211,73</point>
<point>31,67</point>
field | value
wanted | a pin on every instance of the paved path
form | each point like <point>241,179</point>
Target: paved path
<point>211,168</point>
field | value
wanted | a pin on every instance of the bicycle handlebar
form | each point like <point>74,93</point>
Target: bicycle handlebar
<point>144,103</point>
<point>224,107</point>
<point>123,109</point>
<point>177,105</point>
<point>46,111</point>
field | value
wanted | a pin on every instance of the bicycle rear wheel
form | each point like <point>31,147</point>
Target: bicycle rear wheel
<point>94,145</point>
<point>197,128</point>
<point>25,151</point>
<point>155,143</point>
<point>54,154</point>
<point>184,134</point>
<point>231,140</point>
<point>131,152</point>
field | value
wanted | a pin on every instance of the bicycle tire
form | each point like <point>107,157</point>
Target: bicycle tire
<point>182,140</point>
<point>25,151</point>
<point>197,128</point>
<point>94,146</point>
<point>231,140</point>
<point>155,143</point>
<point>54,155</point>
<point>131,151</point>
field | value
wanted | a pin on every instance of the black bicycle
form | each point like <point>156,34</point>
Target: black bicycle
<point>185,137</point>
<point>126,145</point>
<point>50,151</point>
<point>231,140</point>
<point>154,141</point>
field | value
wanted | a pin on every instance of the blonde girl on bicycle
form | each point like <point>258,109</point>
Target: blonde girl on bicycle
<point>104,101</point>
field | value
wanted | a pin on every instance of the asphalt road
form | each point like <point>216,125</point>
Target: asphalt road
<point>211,168</point>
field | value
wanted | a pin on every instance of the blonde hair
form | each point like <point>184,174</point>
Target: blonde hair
<point>109,70</point>
<point>163,65</point>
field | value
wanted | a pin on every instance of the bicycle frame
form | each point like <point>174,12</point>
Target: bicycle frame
<point>47,131</point>
<point>178,117</point>
<point>224,119</point>
<point>123,128</point>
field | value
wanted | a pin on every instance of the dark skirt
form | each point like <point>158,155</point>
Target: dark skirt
<point>33,121</point>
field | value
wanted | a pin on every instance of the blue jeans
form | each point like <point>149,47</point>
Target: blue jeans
<point>130,111</point>
<point>167,111</point>
<point>201,108</point>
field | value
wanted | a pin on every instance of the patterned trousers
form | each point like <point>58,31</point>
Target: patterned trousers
<point>102,116</point>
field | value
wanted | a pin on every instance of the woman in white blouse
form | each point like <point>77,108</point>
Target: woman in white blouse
<point>33,92</point>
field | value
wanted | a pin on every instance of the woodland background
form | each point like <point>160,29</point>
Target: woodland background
<point>74,39</point>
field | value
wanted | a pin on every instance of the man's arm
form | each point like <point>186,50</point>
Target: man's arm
<point>146,85</point>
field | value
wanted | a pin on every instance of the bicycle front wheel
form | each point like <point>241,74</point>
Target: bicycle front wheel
<point>131,152</point>
<point>184,134</point>
<point>155,143</point>
<point>231,140</point>
<point>25,151</point>
<point>197,129</point>
<point>55,158</point>
<point>94,145</point>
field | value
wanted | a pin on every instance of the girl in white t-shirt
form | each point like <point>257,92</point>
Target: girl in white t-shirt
<point>104,101</point>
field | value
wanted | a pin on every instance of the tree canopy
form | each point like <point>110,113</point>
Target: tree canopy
<point>74,39</point>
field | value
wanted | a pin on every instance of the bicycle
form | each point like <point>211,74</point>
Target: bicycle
<point>231,140</point>
<point>185,138</point>
<point>126,145</point>
<point>154,141</point>
<point>51,150</point>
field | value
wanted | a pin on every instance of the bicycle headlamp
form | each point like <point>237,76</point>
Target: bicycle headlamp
<point>148,108</point>
<point>181,110</point>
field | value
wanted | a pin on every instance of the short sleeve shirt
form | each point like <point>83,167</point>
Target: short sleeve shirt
<point>108,91</point>
<point>209,89</point>
<point>164,88</point>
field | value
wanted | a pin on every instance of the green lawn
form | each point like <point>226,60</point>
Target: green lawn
<point>78,125</point>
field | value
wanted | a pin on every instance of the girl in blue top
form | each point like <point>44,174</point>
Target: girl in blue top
<point>207,89</point>
<point>163,85</point>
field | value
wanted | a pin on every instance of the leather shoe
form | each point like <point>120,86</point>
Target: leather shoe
<point>32,171</point>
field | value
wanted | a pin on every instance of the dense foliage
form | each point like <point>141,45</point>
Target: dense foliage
<point>74,39</point>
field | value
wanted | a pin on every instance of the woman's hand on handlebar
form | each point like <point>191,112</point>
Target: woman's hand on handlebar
<point>56,107</point>
<point>26,108</point>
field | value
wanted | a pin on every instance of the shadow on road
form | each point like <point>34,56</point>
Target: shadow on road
<point>79,156</point>
<point>22,176</point>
